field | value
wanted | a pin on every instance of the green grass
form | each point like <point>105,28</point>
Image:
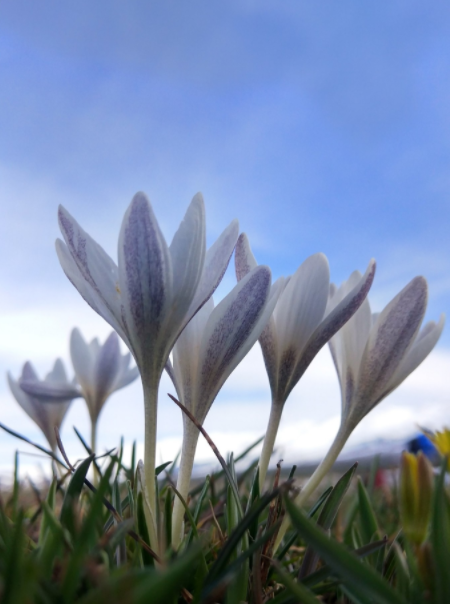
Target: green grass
<point>71,542</point>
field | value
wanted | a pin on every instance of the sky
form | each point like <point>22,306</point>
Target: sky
<point>320,126</point>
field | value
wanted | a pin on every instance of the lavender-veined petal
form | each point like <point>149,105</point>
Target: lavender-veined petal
<point>228,333</point>
<point>244,260</point>
<point>145,275</point>
<point>389,341</point>
<point>50,391</point>
<point>94,264</point>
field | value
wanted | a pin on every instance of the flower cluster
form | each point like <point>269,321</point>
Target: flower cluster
<point>158,299</point>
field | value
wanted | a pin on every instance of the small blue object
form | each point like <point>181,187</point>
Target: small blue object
<point>422,443</point>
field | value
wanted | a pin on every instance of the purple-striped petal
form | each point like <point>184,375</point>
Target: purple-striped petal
<point>244,260</point>
<point>50,391</point>
<point>389,341</point>
<point>228,335</point>
<point>145,276</point>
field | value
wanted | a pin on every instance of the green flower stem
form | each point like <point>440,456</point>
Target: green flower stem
<point>190,439</point>
<point>94,448</point>
<point>322,469</point>
<point>150,403</point>
<point>269,441</point>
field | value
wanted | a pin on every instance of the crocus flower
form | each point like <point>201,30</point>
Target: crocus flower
<point>302,323</point>
<point>208,350</point>
<point>151,295</point>
<point>100,370</point>
<point>46,411</point>
<point>373,354</point>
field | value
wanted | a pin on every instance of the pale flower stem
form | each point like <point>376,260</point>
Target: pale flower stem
<point>322,469</point>
<point>150,401</point>
<point>269,442</point>
<point>190,439</point>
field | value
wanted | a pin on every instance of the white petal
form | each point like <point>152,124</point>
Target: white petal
<point>302,305</point>
<point>56,413</point>
<point>126,378</point>
<point>145,275</point>
<point>389,341</point>
<point>89,294</point>
<point>186,353</point>
<point>230,333</point>
<point>423,345</point>
<point>94,348</point>
<point>93,263</point>
<point>106,370</point>
<point>82,360</point>
<point>25,401</point>
<point>216,262</point>
<point>352,314</point>
<point>347,345</point>
<point>58,373</point>
<point>187,251</point>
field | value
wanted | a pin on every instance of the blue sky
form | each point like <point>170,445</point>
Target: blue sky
<point>321,126</point>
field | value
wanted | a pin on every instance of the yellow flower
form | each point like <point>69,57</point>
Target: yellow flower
<point>441,441</point>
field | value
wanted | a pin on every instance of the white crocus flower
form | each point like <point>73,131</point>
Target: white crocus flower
<point>301,324</point>
<point>208,350</point>
<point>47,411</point>
<point>151,295</point>
<point>373,354</point>
<point>100,370</point>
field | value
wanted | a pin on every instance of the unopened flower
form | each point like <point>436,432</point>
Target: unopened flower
<point>100,370</point>
<point>373,354</point>
<point>415,496</point>
<point>151,295</point>
<point>301,324</point>
<point>209,349</point>
<point>47,411</point>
